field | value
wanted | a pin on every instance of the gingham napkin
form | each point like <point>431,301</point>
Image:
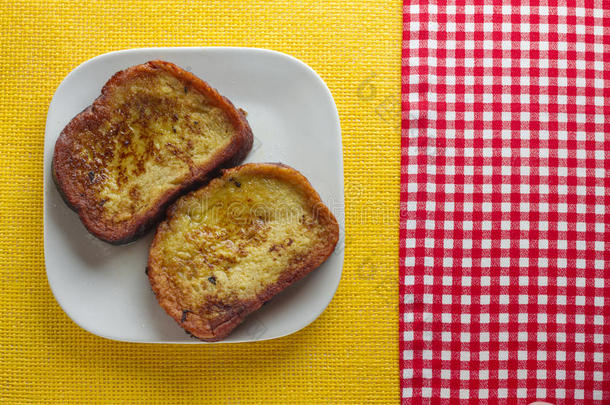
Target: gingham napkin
<point>505,203</point>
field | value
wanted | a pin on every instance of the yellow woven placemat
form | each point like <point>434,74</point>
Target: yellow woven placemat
<point>350,354</point>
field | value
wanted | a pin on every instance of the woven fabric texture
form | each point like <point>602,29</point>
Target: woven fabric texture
<point>505,203</point>
<point>348,355</point>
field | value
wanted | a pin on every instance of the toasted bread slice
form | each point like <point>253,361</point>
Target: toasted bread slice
<point>229,247</point>
<point>155,131</point>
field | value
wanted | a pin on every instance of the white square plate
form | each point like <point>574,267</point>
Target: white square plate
<point>103,288</point>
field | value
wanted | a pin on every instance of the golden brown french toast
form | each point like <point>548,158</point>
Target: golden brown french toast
<point>229,247</point>
<point>155,132</point>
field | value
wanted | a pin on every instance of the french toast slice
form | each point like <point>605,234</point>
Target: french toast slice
<point>227,248</point>
<point>155,132</point>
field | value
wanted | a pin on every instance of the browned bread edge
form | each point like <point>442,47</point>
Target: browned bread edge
<point>202,328</point>
<point>231,155</point>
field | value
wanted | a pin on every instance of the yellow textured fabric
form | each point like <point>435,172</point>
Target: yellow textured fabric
<point>350,354</point>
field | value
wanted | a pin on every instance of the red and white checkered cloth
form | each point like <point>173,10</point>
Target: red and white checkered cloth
<point>505,203</point>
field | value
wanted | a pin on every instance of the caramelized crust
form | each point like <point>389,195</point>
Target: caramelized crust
<point>155,132</point>
<point>229,247</point>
